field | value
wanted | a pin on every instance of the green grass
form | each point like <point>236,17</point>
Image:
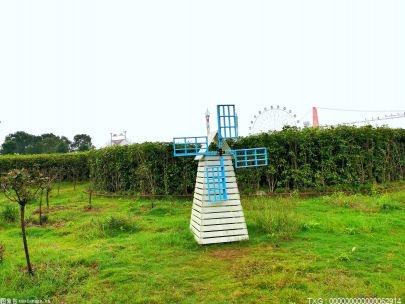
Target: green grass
<point>124,251</point>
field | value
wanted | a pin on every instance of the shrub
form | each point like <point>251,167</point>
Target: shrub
<point>113,225</point>
<point>277,219</point>
<point>9,214</point>
<point>110,226</point>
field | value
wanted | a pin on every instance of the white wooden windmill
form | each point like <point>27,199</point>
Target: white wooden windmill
<point>217,214</point>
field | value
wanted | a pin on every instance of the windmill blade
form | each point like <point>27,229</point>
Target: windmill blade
<point>190,146</point>
<point>216,182</point>
<point>246,158</point>
<point>227,123</point>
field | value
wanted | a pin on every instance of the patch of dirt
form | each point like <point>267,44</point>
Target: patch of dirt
<point>58,224</point>
<point>50,209</point>
<point>230,254</point>
<point>44,225</point>
<point>92,209</point>
<point>31,224</point>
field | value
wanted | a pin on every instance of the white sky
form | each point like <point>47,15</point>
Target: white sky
<point>153,67</point>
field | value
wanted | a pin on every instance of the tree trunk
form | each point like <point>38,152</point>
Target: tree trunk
<point>27,255</point>
<point>40,207</point>
<point>47,198</point>
<point>90,193</point>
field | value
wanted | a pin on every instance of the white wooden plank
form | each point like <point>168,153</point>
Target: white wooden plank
<point>231,216</point>
<point>201,197</point>
<point>229,172</point>
<point>215,162</point>
<point>229,186</point>
<point>219,204</point>
<point>196,213</point>
<point>228,166</point>
<point>197,234</point>
<point>205,204</point>
<point>230,190</point>
<point>220,215</point>
<point>208,157</point>
<point>224,227</point>
<point>205,241</point>
<point>200,179</point>
<point>230,220</point>
<point>213,209</point>
<point>208,234</point>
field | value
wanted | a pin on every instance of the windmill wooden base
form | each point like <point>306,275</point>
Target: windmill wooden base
<point>218,222</point>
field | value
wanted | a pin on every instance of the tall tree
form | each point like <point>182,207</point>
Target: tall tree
<point>81,142</point>
<point>24,143</point>
<point>64,145</point>
<point>18,143</point>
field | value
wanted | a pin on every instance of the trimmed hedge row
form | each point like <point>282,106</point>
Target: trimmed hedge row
<point>147,168</point>
<point>311,158</point>
<point>67,166</point>
<point>339,158</point>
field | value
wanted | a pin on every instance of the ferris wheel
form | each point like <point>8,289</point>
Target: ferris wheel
<point>273,118</point>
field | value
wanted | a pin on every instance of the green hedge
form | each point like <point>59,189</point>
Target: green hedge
<point>67,166</point>
<point>304,159</point>
<point>315,158</point>
<point>147,168</point>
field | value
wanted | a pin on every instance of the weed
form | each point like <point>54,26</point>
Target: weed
<point>311,225</point>
<point>9,214</point>
<point>338,199</point>
<point>350,230</point>
<point>114,224</point>
<point>36,221</point>
<point>110,226</point>
<point>278,220</point>
<point>346,256</point>
<point>386,207</point>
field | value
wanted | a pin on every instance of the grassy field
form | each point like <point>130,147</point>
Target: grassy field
<point>125,251</point>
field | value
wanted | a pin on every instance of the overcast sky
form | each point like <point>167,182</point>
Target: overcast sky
<point>153,67</point>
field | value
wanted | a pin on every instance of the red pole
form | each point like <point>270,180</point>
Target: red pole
<point>315,122</point>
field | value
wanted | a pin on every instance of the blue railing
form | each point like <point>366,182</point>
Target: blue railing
<point>245,158</point>
<point>190,146</point>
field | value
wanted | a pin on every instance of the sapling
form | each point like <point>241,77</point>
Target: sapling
<point>47,186</point>
<point>20,187</point>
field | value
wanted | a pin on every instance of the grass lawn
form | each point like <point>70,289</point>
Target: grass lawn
<point>124,251</point>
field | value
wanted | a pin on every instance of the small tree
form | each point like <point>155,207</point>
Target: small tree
<point>43,187</point>
<point>48,183</point>
<point>18,186</point>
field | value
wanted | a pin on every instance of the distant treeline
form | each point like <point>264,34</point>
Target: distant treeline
<point>304,159</point>
<point>23,143</point>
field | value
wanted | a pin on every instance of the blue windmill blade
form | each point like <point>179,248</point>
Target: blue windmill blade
<point>247,158</point>
<point>227,123</point>
<point>215,178</point>
<point>190,146</point>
